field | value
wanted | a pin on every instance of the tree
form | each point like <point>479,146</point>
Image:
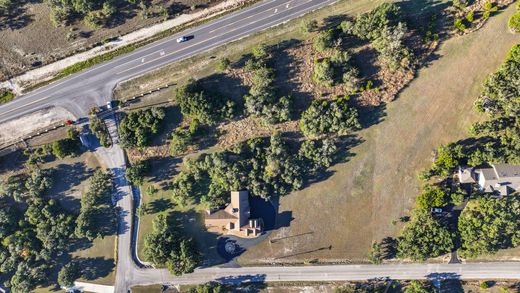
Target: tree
<point>68,274</point>
<point>100,130</point>
<point>423,237</point>
<point>375,255</point>
<point>432,196</point>
<point>262,100</point>
<point>69,146</point>
<point>329,117</point>
<point>392,51</point>
<point>166,246</point>
<point>308,26</point>
<point>135,173</point>
<point>447,159</point>
<point>136,128</point>
<point>202,107</point>
<point>368,26</point>
<point>488,224</point>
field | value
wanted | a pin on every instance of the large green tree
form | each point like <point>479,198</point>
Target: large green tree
<point>489,224</point>
<point>423,237</point>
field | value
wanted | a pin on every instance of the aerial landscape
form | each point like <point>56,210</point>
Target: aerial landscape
<point>259,146</point>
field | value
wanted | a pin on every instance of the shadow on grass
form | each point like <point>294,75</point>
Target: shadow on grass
<point>95,267</point>
<point>159,205</point>
<point>66,177</point>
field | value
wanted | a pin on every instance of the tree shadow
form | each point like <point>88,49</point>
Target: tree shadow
<point>224,87</point>
<point>172,119</point>
<point>417,13</point>
<point>159,205</point>
<point>371,115</point>
<point>451,286</point>
<point>163,168</point>
<point>95,267</point>
<point>16,17</point>
<point>67,177</point>
<point>176,8</point>
<point>258,280</point>
<point>333,21</point>
<point>286,67</point>
<point>389,247</point>
<point>192,223</point>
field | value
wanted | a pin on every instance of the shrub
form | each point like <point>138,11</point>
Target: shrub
<point>470,16</point>
<point>324,40</point>
<point>308,26</point>
<point>6,96</point>
<point>459,24</point>
<point>514,22</point>
<point>223,64</point>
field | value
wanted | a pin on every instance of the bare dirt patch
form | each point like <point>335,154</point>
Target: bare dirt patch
<point>14,130</point>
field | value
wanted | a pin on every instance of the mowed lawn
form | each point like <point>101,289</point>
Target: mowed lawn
<point>337,219</point>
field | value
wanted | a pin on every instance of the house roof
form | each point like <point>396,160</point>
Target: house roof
<point>221,215</point>
<point>237,209</point>
<point>506,170</point>
<point>466,175</point>
<point>500,177</point>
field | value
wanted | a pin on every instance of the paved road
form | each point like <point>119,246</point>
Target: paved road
<point>80,92</point>
<point>114,160</point>
<point>492,271</point>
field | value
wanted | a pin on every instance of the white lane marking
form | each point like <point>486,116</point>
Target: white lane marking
<point>153,45</point>
<point>25,105</point>
<point>221,41</point>
<point>204,41</point>
<point>242,19</point>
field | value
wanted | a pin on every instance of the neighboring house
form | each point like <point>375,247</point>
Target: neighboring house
<point>500,179</point>
<point>235,217</point>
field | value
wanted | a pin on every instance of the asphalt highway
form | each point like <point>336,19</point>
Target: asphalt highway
<point>93,87</point>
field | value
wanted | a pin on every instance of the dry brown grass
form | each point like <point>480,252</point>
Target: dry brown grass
<point>358,203</point>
